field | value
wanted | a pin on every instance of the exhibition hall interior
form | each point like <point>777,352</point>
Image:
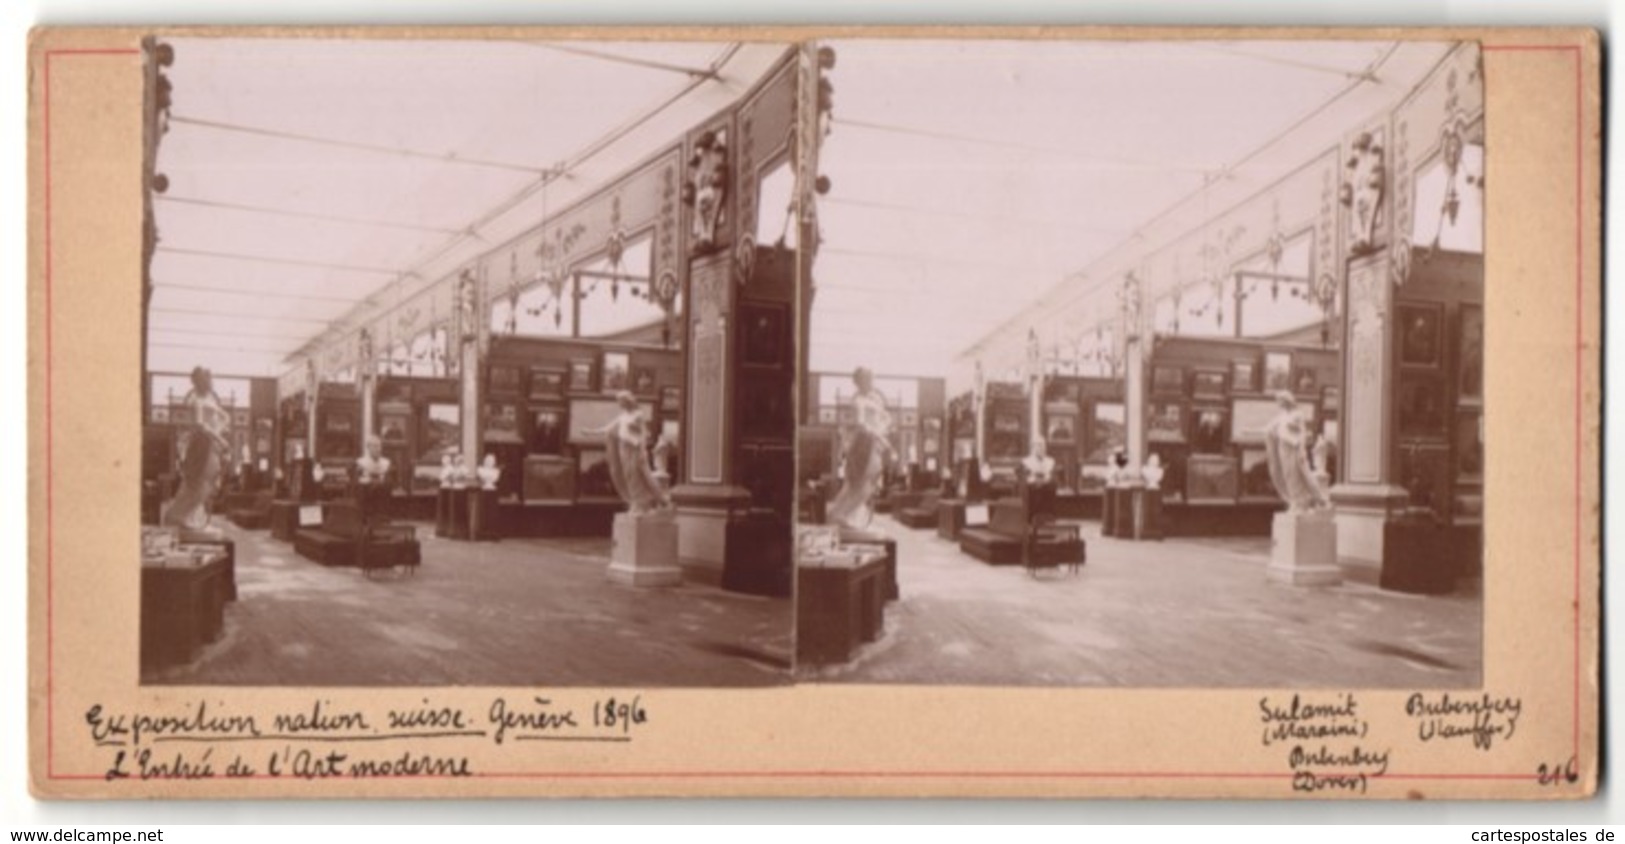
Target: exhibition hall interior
<point>1145,364</point>
<point>1082,363</point>
<point>470,362</point>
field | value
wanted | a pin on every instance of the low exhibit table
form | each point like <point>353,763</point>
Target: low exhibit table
<point>840,603</point>
<point>183,600</point>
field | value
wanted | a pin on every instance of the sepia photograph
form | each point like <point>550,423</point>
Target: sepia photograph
<point>468,284</point>
<point>744,411</point>
<point>1237,267</point>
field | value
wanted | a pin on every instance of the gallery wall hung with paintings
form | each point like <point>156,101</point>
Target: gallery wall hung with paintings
<point>634,410</point>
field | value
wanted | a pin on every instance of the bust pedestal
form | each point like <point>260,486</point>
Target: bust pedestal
<point>1304,549</point>
<point>645,550</point>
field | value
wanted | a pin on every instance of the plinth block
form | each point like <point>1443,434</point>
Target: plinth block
<point>1304,549</point>
<point>645,550</point>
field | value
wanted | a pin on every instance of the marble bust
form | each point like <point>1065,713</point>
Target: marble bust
<point>489,472</point>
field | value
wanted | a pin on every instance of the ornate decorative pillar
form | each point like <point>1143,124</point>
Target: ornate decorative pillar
<point>366,383</point>
<point>1133,374</point>
<point>313,386</point>
<point>468,331</point>
<point>1366,496</point>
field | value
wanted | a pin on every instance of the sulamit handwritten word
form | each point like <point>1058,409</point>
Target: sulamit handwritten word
<point>1480,720</point>
<point>1309,720</point>
<point>199,721</point>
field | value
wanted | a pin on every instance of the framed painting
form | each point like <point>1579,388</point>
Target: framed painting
<point>1420,333</point>
<point>1211,479</point>
<point>1244,376</point>
<point>1277,371</point>
<point>1208,384</point>
<point>502,380</point>
<point>616,374</point>
<point>1165,423</point>
<point>581,375</point>
<point>765,335</point>
<point>1167,381</point>
<point>1209,430</point>
<point>1421,405</point>
<point>547,382</point>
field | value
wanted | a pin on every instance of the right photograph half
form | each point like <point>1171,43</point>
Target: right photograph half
<point>1144,364</point>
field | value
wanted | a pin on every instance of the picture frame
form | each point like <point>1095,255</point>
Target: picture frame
<point>1167,380</point>
<point>1209,384</point>
<point>502,380</point>
<point>671,399</point>
<point>1209,430</point>
<point>1421,405</point>
<point>643,381</point>
<point>1061,429</point>
<point>547,382</point>
<point>1277,371</point>
<point>828,415</point>
<point>592,479</point>
<point>160,414</point>
<point>1305,381</point>
<point>1244,376</point>
<point>1470,354</point>
<point>1165,423</point>
<point>1248,419</point>
<point>1211,479</point>
<point>615,373</point>
<point>547,428</point>
<point>765,336</point>
<point>439,431</point>
<point>549,479</point>
<point>394,420</point>
<point>1256,484</point>
<point>1331,399</point>
<point>1108,430</point>
<point>502,417</point>
<point>1419,331</point>
<point>581,375</point>
<point>239,417</point>
<point>908,418</point>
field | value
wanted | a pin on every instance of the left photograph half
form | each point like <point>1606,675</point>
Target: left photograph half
<point>469,362</point>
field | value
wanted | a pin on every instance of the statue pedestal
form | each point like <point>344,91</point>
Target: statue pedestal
<point>645,550</point>
<point>1304,549</point>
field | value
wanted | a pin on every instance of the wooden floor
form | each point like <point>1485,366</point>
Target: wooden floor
<point>520,612</point>
<point>1178,613</point>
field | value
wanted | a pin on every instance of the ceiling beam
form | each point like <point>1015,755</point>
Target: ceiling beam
<point>302,215</point>
<point>257,294</point>
<point>691,72</point>
<point>268,259</point>
<point>279,134</point>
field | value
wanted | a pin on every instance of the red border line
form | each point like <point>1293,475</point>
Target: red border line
<point>1579,404</point>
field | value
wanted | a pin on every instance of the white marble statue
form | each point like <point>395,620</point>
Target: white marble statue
<point>865,458</point>
<point>1152,471</point>
<point>201,464</point>
<point>489,472</point>
<point>624,439</point>
<point>372,467</point>
<point>1287,447</point>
